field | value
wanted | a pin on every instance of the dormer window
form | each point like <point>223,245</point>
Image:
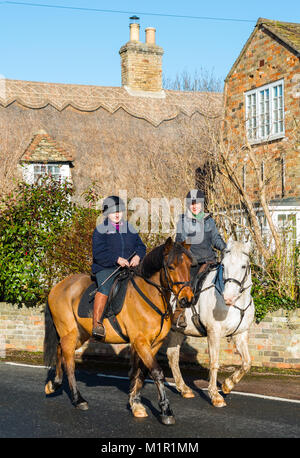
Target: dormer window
<point>44,157</point>
<point>265,112</point>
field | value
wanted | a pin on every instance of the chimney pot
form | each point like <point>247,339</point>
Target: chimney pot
<point>134,32</point>
<point>150,35</point>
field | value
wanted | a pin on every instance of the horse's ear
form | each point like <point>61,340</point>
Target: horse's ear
<point>248,246</point>
<point>185,245</point>
<point>229,243</point>
<point>168,245</point>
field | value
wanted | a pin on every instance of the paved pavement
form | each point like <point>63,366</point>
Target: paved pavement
<point>25,411</point>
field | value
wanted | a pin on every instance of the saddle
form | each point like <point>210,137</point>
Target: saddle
<point>114,303</point>
<point>198,280</point>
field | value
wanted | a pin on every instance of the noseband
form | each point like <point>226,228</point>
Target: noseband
<point>240,283</point>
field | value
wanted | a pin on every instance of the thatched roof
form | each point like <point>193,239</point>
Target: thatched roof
<point>150,107</point>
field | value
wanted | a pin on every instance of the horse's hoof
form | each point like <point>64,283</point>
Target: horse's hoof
<point>226,388</point>
<point>188,394</point>
<point>167,420</point>
<point>218,402</point>
<point>138,410</point>
<point>140,413</point>
<point>49,388</point>
<point>82,406</point>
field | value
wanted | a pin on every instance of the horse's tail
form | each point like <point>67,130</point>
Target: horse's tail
<point>51,339</point>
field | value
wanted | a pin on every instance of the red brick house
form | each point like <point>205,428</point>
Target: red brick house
<point>262,105</point>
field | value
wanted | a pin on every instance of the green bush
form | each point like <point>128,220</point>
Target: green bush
<point>266,295</point>
<point>72,250</point>
<point>31,217</point>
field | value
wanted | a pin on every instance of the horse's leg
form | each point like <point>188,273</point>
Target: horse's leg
<point>68,345</point>
<point>173,354</point>
<point>137,377</point>
<point>241,343</point>
<point>213,340</point>
<point>51,387</point>
<point>147,354</point>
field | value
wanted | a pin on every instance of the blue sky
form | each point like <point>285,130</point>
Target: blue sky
<point>65,46</point>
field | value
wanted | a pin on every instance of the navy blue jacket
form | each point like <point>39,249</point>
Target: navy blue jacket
<point>108,244</point>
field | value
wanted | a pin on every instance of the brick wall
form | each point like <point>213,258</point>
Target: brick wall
<point>21,328</point>
<point>275,342</point>
<point>266,60</point>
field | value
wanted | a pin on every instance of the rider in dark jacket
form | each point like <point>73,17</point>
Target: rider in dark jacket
<point>114,241</point>
<point>200,230</point>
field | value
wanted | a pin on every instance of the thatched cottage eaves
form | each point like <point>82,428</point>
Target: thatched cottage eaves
<point>86,98</point>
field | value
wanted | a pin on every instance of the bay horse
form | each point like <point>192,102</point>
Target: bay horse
<point>222,315</point>
<point>145,320</point>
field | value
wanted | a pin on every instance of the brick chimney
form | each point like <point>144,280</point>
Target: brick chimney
<point>141,63</point>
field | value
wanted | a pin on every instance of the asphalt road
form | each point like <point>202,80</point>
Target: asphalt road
<point>25,411</point>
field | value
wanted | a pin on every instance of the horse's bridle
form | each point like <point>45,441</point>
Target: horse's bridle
<point>172,283</point>
<point>240,283</point>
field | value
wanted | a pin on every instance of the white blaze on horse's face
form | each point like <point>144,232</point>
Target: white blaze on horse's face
<point>235,264</point>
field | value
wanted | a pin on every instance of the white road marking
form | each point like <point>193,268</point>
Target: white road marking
<point>272,398</point>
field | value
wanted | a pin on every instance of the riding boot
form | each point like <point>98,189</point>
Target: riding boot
<point>99,305</point>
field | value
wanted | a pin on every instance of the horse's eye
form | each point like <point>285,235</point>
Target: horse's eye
<point>243,267</point>
<point>171,268</point>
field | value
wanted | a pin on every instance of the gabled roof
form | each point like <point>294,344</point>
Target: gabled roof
<point>43,148</point>
<point>287,32</point>
<point>153,109</point>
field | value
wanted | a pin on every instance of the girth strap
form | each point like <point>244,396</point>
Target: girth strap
<point>115,324</point>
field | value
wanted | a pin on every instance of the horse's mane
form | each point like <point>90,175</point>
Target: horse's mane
<point>153,261</point>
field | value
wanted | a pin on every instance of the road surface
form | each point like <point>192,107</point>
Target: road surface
<point>25,411</point>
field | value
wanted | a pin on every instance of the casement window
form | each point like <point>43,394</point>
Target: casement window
<point>265,112</point>
<point>41,170</point>
<point>34,172</point>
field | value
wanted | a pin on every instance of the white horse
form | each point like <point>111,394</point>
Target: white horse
<point>223,315</point>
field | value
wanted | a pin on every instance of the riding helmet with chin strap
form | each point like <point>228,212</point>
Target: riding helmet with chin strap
<point>113,204</point>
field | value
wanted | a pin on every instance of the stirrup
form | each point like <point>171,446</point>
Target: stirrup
<point>99,331</point>
<point>180,323</point>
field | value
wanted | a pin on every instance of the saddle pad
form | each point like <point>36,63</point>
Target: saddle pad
<point>218,281</point>
<point>114,303</point>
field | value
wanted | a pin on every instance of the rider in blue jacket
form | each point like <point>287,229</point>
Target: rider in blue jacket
<point>114,241</point>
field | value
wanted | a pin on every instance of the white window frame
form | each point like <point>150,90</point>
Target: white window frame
<point>257,123</point>
<point>29,171</point>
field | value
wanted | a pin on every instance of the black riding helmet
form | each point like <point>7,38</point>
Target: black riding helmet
<point>113,204</point>
<point>194,196</point>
